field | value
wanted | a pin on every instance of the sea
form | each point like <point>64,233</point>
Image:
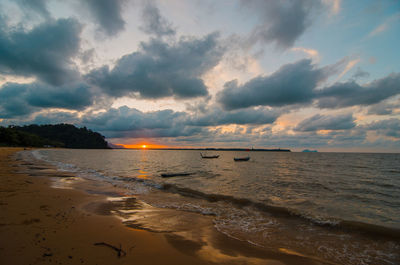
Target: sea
<point>342,208</point>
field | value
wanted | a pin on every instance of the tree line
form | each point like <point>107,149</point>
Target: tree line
<point>58,135</point>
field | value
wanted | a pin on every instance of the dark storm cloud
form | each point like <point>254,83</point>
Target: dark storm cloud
<point>281,22</point>
<point>348,94</point>
<point>218,116</point>
<point>46,116</point>
<point>55,117</point>
<point>38,6</point>
<point>291,84</point>
<point>129,119</point>
<point>297,83</point>
<point>107,13</point>
<point>160,69</point>
<point>154,23</point>
<point>77,96</point>
<point>130,122</point>
<point>12,102</point>
<point>46,51</point>
<point>23,99</point>
<point>326,122</point>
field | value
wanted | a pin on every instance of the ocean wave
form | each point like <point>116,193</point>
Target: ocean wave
<point>277,211</point>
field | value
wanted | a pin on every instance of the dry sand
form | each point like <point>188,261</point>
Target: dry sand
<point>44,225</point>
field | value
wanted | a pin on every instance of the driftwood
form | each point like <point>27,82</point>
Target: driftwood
<point>120,251</point>
<point>170,175</point>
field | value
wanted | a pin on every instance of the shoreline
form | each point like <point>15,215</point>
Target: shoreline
<point>44,225</point>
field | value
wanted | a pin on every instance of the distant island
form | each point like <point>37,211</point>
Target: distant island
<point>58,135</point>
<point>309,151</point>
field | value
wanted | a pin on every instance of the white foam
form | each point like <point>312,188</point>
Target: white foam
<point>36,154</point>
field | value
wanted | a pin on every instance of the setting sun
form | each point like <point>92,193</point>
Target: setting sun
<point>143,146</point>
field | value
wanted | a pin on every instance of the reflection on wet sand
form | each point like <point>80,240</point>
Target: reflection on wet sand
<point>194,234</point>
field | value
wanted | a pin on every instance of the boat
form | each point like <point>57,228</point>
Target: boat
<point>209,156</point>
<point>241,158</point>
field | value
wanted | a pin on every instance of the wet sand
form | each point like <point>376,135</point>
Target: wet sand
<point>40,224</point>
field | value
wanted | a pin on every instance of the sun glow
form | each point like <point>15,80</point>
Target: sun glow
<point>144,146</point>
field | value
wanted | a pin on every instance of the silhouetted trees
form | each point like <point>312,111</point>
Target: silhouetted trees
<point>59,135</point>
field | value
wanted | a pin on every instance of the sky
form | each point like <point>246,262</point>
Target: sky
<point>298,74</point>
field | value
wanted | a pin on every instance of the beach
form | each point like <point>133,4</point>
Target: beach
<point>40,224</point>
<point>236,132</point>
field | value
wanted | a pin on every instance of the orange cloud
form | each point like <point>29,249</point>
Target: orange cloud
<point>314,54</point>
<point>334,5</point>
<point>348,67</point>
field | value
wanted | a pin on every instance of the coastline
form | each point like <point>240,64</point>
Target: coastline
<point>40,224</point>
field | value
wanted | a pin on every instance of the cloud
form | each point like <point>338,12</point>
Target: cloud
<point>326,122</point>
<point>107,13</point>
<point>313,140</point>
<point>281,22</point>
<point>217,116</point>
<point>348,94</point>
<point>314,54</point>
<point>55,117</point>
<point>241,137</point>
<point>385,25</point>
<point>384,108</point>
<point>291,84</point>
<point>129,119</point>
<point>154,23</point>
<point>377,30</point>
<point>130,122</point>
<point>12,104</point>
<point>160,70</point>
<point>360,74</point>
<point>23,99</point>
<point>298,83</point>
<point>390,127</point>
<point>87,56</point>
<point>46,51</point>
<point>334,5</point>
<point>37,6</point>
<point>349,66</point>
